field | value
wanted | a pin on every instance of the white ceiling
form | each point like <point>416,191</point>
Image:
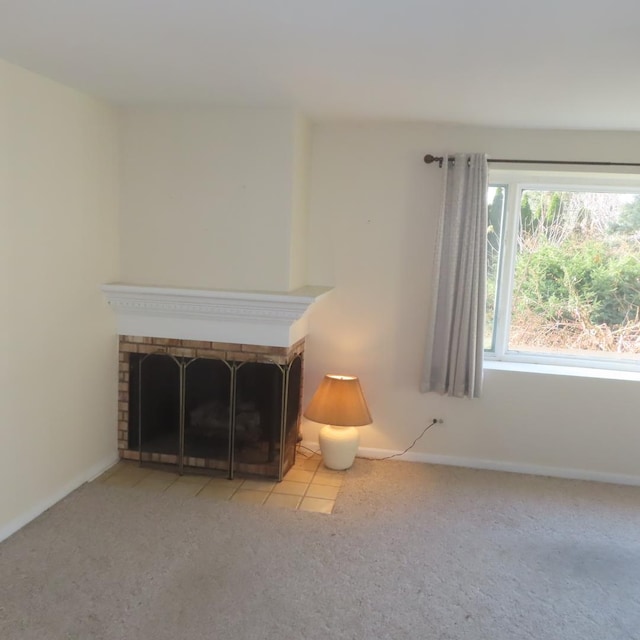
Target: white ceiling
<point>549,63</point>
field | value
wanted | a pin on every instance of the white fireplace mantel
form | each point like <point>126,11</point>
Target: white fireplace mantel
<point>242,317</point>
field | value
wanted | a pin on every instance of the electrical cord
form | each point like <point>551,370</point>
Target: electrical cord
<point>395,455</point>
<point>301,446</point>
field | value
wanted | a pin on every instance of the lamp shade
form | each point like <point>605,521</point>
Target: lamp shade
<point>339,401</point>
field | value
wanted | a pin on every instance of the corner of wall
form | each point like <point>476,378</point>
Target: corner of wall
<point>299,202</point>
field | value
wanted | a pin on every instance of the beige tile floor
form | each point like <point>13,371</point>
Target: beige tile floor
<point>309,486</point>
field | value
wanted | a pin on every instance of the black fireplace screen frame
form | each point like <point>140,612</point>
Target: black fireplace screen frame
<point>234,367</point>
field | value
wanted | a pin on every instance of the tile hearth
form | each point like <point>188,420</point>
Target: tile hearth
<point>308,486</point>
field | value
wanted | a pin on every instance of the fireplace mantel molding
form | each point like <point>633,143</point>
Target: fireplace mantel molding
<point>243,317</point>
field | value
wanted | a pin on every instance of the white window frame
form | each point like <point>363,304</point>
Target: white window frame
<point>516,181</point>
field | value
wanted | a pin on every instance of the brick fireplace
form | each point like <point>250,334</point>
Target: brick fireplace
<point>210,381</point>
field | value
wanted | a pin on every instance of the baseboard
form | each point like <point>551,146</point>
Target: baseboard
<point>92,472</point>
<point>496,465</point>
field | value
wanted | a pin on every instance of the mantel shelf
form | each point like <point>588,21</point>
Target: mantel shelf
<point>246,317</point>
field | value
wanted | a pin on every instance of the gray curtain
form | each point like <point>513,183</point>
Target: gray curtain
<point>454,352</point>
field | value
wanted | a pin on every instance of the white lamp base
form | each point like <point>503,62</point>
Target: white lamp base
<point>338,446</point>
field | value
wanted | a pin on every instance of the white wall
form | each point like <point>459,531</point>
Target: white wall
<point>208,198</point>
<point>217,198</point>
<point>300,204</point>
<point>373,207</point>
<point>58,243</point>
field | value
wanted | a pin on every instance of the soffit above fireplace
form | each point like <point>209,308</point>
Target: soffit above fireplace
<point>243,317</point>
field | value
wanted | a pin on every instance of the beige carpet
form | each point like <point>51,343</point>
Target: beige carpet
<point>411,551</point>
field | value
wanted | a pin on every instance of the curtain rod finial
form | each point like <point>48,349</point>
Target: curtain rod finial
<point>430,159</point>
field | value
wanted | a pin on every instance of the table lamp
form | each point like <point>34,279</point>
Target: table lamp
<point>339,404</point>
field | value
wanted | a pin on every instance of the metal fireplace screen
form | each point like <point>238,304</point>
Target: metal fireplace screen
<point>216,414</point>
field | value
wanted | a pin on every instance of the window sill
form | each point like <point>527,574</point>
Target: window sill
<point>561,370</point>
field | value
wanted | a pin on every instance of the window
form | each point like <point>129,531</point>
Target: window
<point>563,269</point>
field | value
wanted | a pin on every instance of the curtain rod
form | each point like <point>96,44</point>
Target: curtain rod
<point>429,159</point>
